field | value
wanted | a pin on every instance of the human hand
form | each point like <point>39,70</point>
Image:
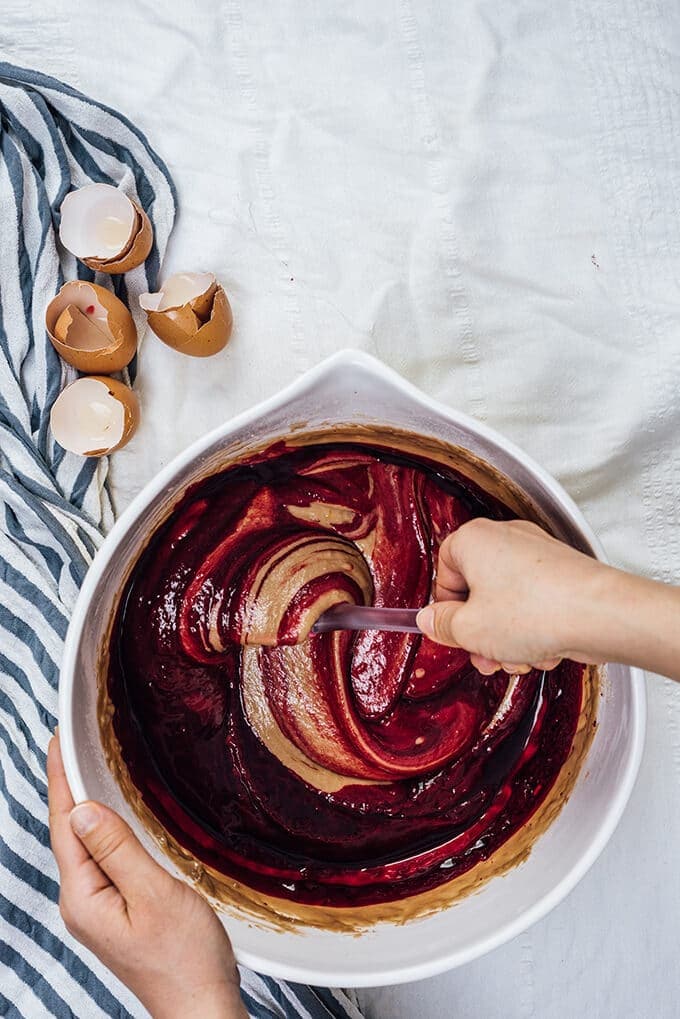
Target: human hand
<point>158,935</point>
<point>515,597</point>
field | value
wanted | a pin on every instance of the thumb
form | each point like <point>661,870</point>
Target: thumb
<point>116,849</point>
<point>438,620</point>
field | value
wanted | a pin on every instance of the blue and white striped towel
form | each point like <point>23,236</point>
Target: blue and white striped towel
<point>53,509</point>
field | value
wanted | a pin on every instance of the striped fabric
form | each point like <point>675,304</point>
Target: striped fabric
<point>54,507</point>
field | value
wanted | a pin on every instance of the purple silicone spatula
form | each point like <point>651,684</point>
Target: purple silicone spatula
<point>366,617</point>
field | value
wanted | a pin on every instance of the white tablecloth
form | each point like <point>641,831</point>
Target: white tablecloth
<point>485,195</point>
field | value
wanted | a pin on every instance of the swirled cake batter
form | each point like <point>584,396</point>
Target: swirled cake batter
<point>335,770</point>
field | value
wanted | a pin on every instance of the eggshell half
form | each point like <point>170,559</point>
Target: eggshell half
<point>90,328</point>
<point>105,229</point>
<point>94,416</point>
<point>201,326</point>
<point>134,254</point>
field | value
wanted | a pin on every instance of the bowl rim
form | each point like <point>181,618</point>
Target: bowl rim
<point>373,368</point>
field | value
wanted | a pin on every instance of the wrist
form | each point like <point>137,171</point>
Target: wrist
<point>593,618</point>
<point>625,618</point>
<point>643,629</point>
<point>221,1000</point>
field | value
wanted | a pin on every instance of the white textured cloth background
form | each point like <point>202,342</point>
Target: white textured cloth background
<point>485,195</point>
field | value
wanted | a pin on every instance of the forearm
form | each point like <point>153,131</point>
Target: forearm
<point>632,620</point>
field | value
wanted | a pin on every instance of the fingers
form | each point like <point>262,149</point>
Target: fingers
<point>487,666</point>
<point>117,851</point>
<point>450,579</point>
<point>437,621</point>
<point>80,876</point>
<point>514,669</point>
<point>548,664</point>
<point>68,851</point>
<point>91,895</point>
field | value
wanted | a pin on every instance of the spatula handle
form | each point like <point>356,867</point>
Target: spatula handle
<point>366,617</point>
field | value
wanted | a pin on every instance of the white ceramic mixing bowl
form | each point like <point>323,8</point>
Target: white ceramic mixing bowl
<point>352,387</point>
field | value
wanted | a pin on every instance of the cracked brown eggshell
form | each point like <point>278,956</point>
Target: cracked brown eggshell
<point>105,229</point>
<point>94,416</point>
<point>191,313</point>
<point>90,328</point>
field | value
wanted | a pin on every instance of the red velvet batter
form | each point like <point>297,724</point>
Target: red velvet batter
<point>413,716</point>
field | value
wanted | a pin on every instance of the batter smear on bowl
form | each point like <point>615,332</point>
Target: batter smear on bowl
<point>338,769</point>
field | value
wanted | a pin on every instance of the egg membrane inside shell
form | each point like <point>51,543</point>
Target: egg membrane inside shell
<point>97,221</point>
<point>178,290</point>
<point>84,322</point>
<point>87,418</point>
